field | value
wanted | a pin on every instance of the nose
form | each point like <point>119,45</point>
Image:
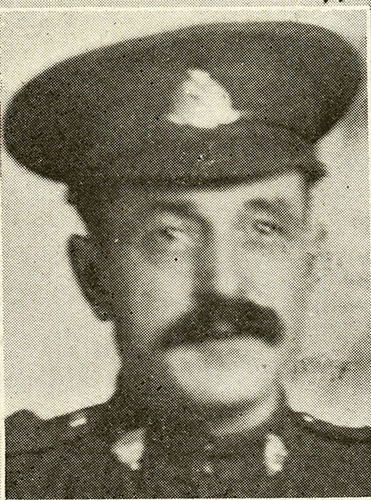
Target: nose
<point>218,271</point>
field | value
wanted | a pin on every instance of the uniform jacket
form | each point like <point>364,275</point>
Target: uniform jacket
<point>88,454</point>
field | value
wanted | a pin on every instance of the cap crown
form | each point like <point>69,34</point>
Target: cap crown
<point>270,90</point>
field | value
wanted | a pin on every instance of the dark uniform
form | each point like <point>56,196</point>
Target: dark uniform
<point>82,455</point>
<point>213,103</point>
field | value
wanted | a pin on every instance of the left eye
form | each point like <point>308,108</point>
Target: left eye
<point>267,228</point>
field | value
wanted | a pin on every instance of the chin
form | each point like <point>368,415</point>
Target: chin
<point>224,374</point>
<point>232,393</point>
<point>202,381</point>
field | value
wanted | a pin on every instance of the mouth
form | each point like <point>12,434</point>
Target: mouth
<point>222,330</point>
<point>196,335</point>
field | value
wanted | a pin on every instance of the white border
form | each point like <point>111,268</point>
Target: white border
<point>255,8</point>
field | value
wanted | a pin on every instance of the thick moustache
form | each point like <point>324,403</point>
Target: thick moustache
<point>219,319</point>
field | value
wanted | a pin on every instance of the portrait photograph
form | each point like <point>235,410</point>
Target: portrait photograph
<point>186,249</point>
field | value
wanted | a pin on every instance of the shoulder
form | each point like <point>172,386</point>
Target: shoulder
<point>329,458</point>
<point>328,430</point>
<point>26,432</point>
<point>66,455</point>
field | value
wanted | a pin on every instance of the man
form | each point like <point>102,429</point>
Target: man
<point>190,156</point>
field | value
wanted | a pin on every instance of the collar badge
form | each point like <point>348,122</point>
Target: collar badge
<point>129,449</point>
<point>275,454</point>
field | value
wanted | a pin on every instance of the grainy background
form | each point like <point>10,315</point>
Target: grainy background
<point>57,356</point>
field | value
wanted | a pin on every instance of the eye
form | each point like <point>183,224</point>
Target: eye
<point>268,228</point>
<point>171,239</point>
<point>173,235</point>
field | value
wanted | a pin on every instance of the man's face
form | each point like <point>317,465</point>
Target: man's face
<point>205,287</point>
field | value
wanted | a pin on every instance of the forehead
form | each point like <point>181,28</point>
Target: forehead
<point>282,192</point>
<point>287,187</point>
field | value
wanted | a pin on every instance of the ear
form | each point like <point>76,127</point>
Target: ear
<point>86,260</point>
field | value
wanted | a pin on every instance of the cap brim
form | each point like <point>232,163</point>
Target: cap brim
<point>234,152</point>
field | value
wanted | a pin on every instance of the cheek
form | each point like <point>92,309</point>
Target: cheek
<point>278,280</point>
<point>151,295</point>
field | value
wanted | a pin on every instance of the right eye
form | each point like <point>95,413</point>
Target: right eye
<point>169,239</point>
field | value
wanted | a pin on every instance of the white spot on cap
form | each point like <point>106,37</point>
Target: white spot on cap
<point>207,468</point>
<point>202,102</point>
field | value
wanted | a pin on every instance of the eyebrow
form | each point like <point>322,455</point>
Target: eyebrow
<point>182,208</point>
<point>278,207</point>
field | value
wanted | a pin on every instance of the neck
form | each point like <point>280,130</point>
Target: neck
<point>252,422</point>
<point>246,419</point>
<point>223,423</point>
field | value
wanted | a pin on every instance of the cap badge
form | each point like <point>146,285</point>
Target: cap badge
<point>202,102</point>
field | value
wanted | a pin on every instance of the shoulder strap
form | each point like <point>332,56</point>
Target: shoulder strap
<point>312,424</point>
<point>25,432</point>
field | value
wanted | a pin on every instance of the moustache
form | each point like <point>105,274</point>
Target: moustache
<point>216,318</point>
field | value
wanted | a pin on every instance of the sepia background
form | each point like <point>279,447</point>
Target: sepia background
<point>58,357</point>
